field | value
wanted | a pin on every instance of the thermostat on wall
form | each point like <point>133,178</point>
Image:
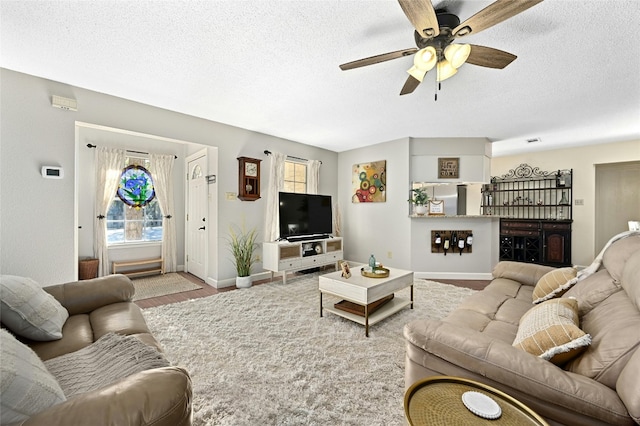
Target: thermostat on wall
<point>52,172</point>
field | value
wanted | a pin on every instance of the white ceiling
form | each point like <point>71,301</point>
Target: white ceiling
<point>272,67</point>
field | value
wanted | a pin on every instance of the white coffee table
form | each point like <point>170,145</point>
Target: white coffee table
<point>364,291</point>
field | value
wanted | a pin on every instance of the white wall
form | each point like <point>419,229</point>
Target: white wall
<point>474,266</point>
<point>37,229</point>
<point>582,160</point>
<point>473,155</point>
<point>380,228</point>
<point>377,228</point>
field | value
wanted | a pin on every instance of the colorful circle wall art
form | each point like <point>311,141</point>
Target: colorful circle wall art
<point>369,182</point>
<point>136,186</point>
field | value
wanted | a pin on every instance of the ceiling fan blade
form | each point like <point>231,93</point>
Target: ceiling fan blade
<point>493,14</point>
<point>422,16</point>
<point>489,57</point>
<point>409,85</point>
<point>378,58</point>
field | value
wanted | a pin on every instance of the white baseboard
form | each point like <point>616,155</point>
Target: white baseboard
<point>231,282</point>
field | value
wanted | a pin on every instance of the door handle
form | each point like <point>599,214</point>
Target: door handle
<point>201,228</point>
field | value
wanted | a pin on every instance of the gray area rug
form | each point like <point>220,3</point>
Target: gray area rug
<point>161,285</point>
<point>263,355</point>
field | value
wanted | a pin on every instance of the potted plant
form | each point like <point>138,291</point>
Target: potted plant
<point>420,198</point>
<point>242,245</point>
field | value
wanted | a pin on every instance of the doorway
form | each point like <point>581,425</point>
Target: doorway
<point>197,220</point>
<point>617,200</point>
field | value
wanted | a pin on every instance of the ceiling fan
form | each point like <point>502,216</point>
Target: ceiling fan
<point>435,33</point>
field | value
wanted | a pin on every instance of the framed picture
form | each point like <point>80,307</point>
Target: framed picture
<point>369,182</point>
<point>346,272</point>
<point>436,207</point>
<point>448,168</point>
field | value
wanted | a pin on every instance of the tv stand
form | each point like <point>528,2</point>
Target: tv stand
<point>296,238</point>
<point>290,256</point>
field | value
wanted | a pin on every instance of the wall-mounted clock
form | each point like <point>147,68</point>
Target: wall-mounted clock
<point>248,178</point>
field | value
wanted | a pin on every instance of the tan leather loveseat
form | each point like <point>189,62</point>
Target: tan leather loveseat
<point>598,386</point>
<point>159,396</point>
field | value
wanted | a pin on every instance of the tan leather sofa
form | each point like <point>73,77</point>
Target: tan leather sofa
<point>600,386</point>
<point>160,396</point>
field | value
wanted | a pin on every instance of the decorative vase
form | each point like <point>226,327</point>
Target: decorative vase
<point>421,209</point>
<point>564,201</point>
<point>243,282</point>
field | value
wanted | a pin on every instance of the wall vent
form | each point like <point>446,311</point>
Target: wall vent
<point>532,140</point>
<point>64,103</point>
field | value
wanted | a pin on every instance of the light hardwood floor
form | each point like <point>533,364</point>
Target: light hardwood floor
<point>207,290</point>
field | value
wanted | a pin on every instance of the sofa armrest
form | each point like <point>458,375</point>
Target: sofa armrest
<point>524,273</point>
<point>516,371</point>
<point>81,297</point>
<point>158,397</point>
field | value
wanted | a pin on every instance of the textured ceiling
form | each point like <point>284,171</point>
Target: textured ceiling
<point>272,67</point>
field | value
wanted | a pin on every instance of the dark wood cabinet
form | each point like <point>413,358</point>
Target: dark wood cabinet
<point>536,241</point>
<point>556,245</point>
<point>536,213</point>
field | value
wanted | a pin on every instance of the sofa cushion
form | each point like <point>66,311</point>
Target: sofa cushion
<point>29,311</point>
<point>627,386</point>
<point>592,290</point>
<point>27,385</point>
<point>550,331</point>
<point>524,273</point>
<point>614,326</point>
<point>76,334</point>
<point>553,284</point>
<point>616,256</point>
<point>630,280</point>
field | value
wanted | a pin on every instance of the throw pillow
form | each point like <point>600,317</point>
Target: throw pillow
<point>27,385</point>
<point>554,284</point>
<point>550,330</point>
<point>29,311</point>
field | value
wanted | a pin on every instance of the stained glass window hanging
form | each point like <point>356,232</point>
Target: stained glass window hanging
<point>136,186</point>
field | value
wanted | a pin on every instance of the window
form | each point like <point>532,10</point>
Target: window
<point>134,214</point>
<point>295,177</point>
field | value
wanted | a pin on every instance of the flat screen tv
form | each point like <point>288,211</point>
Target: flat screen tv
<point>304,215</point>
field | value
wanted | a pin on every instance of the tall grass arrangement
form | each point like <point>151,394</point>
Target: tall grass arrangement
<point>242,245</point>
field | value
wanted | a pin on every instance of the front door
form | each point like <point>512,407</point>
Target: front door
<point>197,217</point>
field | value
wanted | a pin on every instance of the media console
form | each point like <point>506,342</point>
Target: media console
<point>284,256</point>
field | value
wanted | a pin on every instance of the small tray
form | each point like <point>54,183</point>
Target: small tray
<point>377,273</point>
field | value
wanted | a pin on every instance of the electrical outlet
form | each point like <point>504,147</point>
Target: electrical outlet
<point>258,258</point>
<point>389,255</point>
<point>579,202</point>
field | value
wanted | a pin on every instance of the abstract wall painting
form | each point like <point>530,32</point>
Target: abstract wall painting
<point>369,182</point>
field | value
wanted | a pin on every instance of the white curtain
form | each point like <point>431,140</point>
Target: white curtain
<point>276,184</point>
<point>337,220</point>
<point>161,168</point>
<point>109,165</point>
<point>313,176</point>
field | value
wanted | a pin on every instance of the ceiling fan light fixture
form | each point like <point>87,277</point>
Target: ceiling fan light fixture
<point>425,59</point>
<point>457,54</point>
<point>445,70</point>
<point>417,73</point>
